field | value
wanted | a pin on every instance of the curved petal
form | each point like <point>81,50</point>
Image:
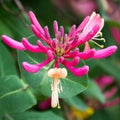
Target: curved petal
<point>116,34</point>
<point>12,43</point>
<point>86,55</point>
<point>81,71</point>
<point>95,19</point>
<point>73,62</point>
<point>108,94</point>
<point>84,36</point>
<point>82,25</point>
<point>112,102</point>
<point>72,30</point>
<point>35,22</point>
<point>104,52</point>
<point>55,27</point>
<point>78,71</point>
<point>37,33</point>
<point>30,47</point>
<point>32,68</point>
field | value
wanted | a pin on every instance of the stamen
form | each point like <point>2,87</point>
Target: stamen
<point>99,34</point>
<point>101,46</point>
<point>99,39</point>
<point>56,87</point>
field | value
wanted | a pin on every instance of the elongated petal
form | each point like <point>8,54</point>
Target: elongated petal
<point>30,47</point>
<point>95,19</point>
<point>116,34</point>
<point>36,67</point>
<point>104,81</point>
<point>72,54</point>
<point>72,30</point>
<point>55,26</point>
<point>42,47</point>
<point>86,55</point>
<point>33,68</point>
<point>35,22</point>
<point>12,43</point>
<point>47,34</point>
<point>77,71</point>
<point>112,103</point>
<point>73,62</point>
<point>104,52</point>
<point>110,92</point>
<point>84,36</point>
<point>82,25</point>
<point>37,33</point>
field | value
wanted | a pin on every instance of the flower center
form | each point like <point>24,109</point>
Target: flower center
<point>59,51</point>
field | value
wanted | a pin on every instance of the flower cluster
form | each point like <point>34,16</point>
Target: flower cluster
<point>103,82</point>
<point>63,48</point>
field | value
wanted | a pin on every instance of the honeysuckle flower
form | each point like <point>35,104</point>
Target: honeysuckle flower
<point>77,7</point>
<point>63,48</point>
<point>103,82</point>
<point>116,34</point>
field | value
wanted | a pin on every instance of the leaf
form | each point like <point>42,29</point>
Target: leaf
<point>14,95</point>
<point>7,64</point>
<point>34,116</point>
<point>77,103</point>
<point>41,83</point>
<point>94,90</point>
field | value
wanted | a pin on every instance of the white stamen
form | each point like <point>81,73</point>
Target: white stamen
<point>56,86</point>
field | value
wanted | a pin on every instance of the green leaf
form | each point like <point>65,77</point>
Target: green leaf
<point>7,64</point>
<point>41,83</point>
<point>14,95</point>
<point>94,90</point>
<point>77,103</point>
<point>33,116</point>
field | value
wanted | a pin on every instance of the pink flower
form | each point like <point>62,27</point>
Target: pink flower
<point>116,34</point>
<point>77,7</point>
<point>63,46</point>
<point>63,49</point>
<point>103,82</point>
<point>82,7</point>
<point>44,105</point>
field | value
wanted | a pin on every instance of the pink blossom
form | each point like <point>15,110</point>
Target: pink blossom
<point>44,105</point>
<point>77,7</point>
<point>64,46</point>
<point>82,7</point>
<point>116,34</point>
<point>103,82</point>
